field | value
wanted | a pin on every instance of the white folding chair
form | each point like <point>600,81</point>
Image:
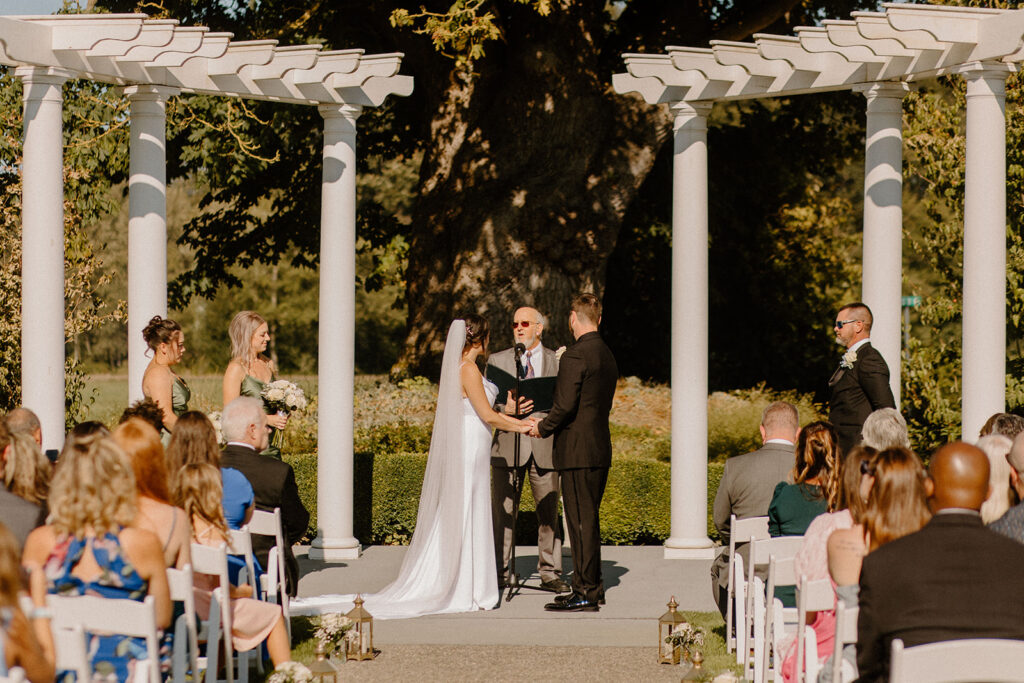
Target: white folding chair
<point>846,633</point>
<point>811,596</point>
<point>186,634</point>
<point>214,561</point>
<point>740,531</point>
<point>739,600</point>
<point>14,675</point>
<point>760,553</point>
<point>274,581</point>
<point>80,614</point>
<point>958,661</point>
<point>781,572</point>
<point>240,542</point>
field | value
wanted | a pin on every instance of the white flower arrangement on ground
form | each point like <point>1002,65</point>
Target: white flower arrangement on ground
<point>332,632</point>
<point>215,419</point>
<point>686,636</point>
<point>282,396</point>
<point>291,672</point>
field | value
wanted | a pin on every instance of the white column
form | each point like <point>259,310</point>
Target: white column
<point>42,259</point>
<point>882,285</point>
<point>147,222</point>
<point>984,315</point>
<point>335,539</point>
<point>689,537</point>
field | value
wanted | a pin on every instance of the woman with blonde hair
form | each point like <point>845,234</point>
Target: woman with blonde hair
<point>250,370</point>
<point>89,547</point>
<point>1002,495</point>
<point>253,621</point>
<point>25,642</point>
<point>159,382</point>
<point>27,471</point>
<point>141,443</point>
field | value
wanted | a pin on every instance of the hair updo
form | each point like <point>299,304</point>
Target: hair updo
<point>477,331</point>
<point>159,331</point>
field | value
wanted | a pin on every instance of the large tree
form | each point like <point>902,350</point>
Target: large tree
<point>529,160</point>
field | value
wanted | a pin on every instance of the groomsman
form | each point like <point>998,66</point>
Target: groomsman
<point>534,459</point>
<point>860,385</point>
<point>587,374</point>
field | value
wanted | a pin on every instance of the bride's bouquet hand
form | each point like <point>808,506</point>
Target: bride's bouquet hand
<point>278,420</point>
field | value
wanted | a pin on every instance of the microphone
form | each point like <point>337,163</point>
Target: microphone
<point>520,350</point>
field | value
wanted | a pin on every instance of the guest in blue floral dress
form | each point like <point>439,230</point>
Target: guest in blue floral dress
<point>89,549</point>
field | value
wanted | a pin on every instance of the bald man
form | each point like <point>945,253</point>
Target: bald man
<point>535,459</point>
<point>953,579</point>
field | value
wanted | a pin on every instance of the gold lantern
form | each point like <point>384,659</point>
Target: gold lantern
<point>669,621</point>
<point>323,669</point>
<point>360,645</point>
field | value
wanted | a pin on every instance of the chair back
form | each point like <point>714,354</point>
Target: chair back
<point>186,635</point>
<point>89,613</point>
<point>274,582</point>
<point>811,596</point>
<point>240,541</point>
<point>214,562</point>
<point>973,660</point>
<point>740,531</point>
<point>846,633</point>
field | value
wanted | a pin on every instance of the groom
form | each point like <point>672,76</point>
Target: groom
<point>584,389</point>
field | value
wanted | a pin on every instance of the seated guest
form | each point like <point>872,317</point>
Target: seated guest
<point>20,516</point>
<point>885,428</point>
<point>892,486</point>
<point>1007,424</point>
<point>252,621</point>
<point>24,641</point>
<point>1002,496</point>
<point>952,579</point>
<point>88,428</point>
<point>273,481</point>
<point>1011,524</point>
<point>747,485</point>
<point>155,512</point>
<point>145,409</point>
<point>27,471</point>
<point>193,441</point>
<point>24,421</point>
<point>794,506</point>
<point>89,547</point>
<point>811,560</point>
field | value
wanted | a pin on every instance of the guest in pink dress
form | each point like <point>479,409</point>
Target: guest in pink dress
<point>252,621</point>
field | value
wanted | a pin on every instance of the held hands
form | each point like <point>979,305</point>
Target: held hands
<point>531,425</point>
<point>525,405</point>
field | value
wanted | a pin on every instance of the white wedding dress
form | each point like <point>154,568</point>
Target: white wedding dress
<point>450,564</point>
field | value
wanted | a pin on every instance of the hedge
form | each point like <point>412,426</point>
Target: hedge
<point>635,510</point>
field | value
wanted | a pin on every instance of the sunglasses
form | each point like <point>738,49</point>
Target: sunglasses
<point>839,323</point>
<point>524,324</point>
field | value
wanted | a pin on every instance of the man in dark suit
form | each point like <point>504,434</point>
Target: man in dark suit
<point>748,483</point>
<point>534,459</point>
<point>860,384</point>
<point>584,390</point>
<point>952,579</point>
<point>273,481</point>
<point>18,514</point>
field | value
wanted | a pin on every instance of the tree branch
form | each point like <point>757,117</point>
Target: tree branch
<point>755,16</point>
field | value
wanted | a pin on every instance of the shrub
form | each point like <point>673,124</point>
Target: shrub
<point>734,418</point>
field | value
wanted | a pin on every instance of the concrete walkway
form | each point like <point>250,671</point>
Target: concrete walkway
<point>638,584</point>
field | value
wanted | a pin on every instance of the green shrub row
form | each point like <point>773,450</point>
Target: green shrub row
<point>635,510</point>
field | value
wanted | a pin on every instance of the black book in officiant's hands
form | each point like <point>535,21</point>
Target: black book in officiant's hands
<point>540,390</point>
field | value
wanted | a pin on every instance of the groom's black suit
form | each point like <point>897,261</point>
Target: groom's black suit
<point>856,392</point>
<point>584,389</point>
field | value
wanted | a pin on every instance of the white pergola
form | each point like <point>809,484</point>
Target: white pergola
<point>154,60</point>
<point>877,54</point>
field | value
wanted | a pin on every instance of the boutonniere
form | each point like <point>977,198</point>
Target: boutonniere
<point>558,352</point>
<point>849,358</point>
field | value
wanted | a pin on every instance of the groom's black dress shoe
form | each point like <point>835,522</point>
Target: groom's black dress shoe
<point>563,598</point>
<point>574,603</point>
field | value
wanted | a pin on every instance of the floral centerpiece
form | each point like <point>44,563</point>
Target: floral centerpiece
<point>686,636</point>
<point>291,672</point>
<point>282,397</point>
<point>333,631</point>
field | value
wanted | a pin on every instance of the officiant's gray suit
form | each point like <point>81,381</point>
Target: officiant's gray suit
<point>535,460</point>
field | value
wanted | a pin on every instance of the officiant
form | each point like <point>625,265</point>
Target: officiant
<point>536,361</point>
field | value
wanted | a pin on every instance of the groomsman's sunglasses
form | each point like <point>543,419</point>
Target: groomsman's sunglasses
<point>839,323</point>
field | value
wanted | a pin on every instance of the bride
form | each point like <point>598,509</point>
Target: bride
<point>450,564</point>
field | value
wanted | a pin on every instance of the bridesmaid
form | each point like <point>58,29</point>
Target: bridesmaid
<point>250,370</point>
<point>159,382</point>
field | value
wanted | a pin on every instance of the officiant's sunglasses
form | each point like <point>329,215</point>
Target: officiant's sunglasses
<point>839,323</point>
<point>525,323</point>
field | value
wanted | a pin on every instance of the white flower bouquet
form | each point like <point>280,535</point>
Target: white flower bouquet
<point>291,672</point>
<point>332,632</point>
<point>282,396</point>
<point>686,636</point>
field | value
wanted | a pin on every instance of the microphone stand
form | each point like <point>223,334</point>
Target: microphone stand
<point>514,583</point>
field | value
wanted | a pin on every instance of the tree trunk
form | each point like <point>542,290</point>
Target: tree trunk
<point>531,166</point>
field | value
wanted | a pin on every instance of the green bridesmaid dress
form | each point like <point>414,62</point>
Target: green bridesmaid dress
<point>180,395</point>
<point>254,388</point>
